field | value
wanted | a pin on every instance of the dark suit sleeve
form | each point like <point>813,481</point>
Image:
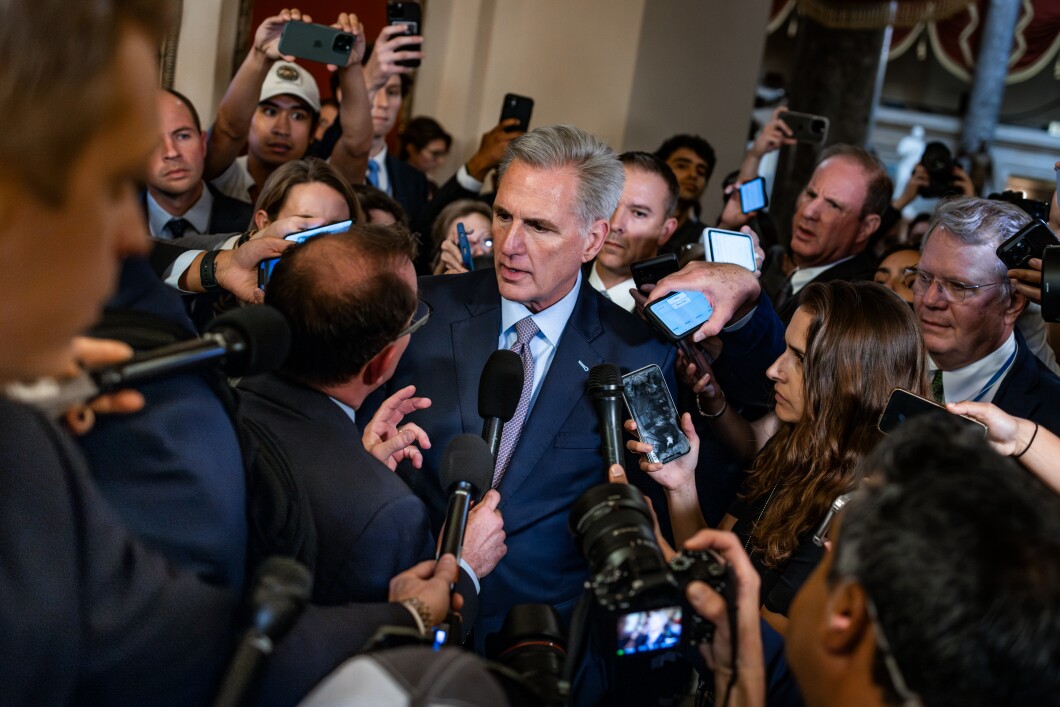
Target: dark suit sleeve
<point>163,253</point>
<point>84,604</point>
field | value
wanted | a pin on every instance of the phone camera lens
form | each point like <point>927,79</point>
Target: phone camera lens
<point>817,126</point>
<point>343,43</point>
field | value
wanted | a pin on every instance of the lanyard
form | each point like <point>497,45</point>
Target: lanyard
<point>996,377</point>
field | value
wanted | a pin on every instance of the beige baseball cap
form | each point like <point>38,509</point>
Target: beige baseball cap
<point>288,78</point>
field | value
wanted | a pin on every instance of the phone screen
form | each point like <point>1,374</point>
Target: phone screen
<point>265,267</point>
<point>652,408</point>
<point>681,313</point>
<point>753,195</point>
<point>646,631</point>
<point>729,247</point>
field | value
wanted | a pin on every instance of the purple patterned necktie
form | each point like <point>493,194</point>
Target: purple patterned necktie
<point>525,331</point>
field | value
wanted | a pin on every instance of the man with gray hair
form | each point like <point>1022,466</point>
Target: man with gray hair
<point>968,310</point>
<point>558,188</point>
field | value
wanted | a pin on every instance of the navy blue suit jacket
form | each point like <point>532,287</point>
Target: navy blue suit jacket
<point>558,454</point>
<point>1030,390</point>
<point>370,526</point>
<point>408,186</point>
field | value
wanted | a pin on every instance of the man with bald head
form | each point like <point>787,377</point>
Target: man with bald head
<point>835,214</point>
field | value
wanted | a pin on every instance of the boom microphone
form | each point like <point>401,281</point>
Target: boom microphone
<point>280,593</point>
<point>605,390</point>
<point>243,342</point>
<point>499,389</point>
<point>466,474</point>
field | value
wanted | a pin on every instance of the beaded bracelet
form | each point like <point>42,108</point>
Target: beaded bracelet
<point>719,413</point>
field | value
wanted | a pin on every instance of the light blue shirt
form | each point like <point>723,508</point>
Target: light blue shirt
<point>198,216</point>
<point>350,412</point>
<point>551,322</point>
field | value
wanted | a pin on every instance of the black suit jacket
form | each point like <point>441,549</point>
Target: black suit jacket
<point>408,186</point>
<point>558,454</point>
<point>860,267</point>
<point>1030,390</point>
<point>370,526</point>
<point>227,215</point>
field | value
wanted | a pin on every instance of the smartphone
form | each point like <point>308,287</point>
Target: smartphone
<point>316,43</point>
<point>903,405</point>
<point>1029,242</point>
<point>406,14</point>
<point>806,127</point>
<point>753,195</point>
<point>652,408</point>
<point>520,107</point>
<point>679,313</point>
<point>650,271</point>
<point>465,248</point>
<point>721,246</point>
<point>265,267</point>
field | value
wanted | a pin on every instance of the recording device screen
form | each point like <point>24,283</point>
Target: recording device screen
<point>652,408</point>
<point>753,195</point>
<point>646,631</point>
<point>679,313</point>
<point>729,247</point>
<point>265,267</point>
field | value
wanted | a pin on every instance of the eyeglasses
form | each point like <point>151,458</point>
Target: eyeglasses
<point>951,290</point>
<point>908,697</point>
<point>419,318</point>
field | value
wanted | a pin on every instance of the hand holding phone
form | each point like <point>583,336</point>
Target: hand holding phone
<point>806,127</point>
<point>518,107</point>
<point>650,271</point>
<point>465,248</point>
<point>679,313</point>
<point>652,407</point>
<point>721,246</point>
<point>407,15</point>
<point>753,195</point>
<point>265,267</point>
<point>316,43</point>
<point>1029,242</point>
<point>904,405</point>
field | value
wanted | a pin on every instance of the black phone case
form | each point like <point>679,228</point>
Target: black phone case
<point>516,106</point>
<point>1029,242</point>
<point>806,127</point>
<point>406,13</point>
<point>652,407</point>
<point>650,271</point>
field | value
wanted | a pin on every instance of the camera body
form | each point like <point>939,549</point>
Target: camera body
<point>939,163</point>
<point>638,598</point>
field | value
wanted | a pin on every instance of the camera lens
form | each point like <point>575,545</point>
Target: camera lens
<point>817,126</point>
<point>343,43</point>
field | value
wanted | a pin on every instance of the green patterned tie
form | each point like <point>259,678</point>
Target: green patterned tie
<point>936,388</point>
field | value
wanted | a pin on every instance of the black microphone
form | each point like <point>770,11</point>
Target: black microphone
<point>243,342</point>
<point>466,474</point>
<point>281,589</point>
<point>499,389</point>
<point>605,390</point>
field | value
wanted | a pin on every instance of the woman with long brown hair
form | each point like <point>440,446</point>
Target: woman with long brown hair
<point>846,348</point>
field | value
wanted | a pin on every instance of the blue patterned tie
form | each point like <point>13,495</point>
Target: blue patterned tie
<point>525,331</point>
<point>373,173</point>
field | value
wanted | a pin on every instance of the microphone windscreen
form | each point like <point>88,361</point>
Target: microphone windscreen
<point>259,339</point>
<point>500,385</point>
<point>282,586</point>
<point>605,378</point>
<point>468,458</point>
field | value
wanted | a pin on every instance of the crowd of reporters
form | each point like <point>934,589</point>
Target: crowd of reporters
<point>145,505</point>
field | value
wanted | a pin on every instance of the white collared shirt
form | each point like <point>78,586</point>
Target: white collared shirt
<point>967,383</point>
<point>804,276</point>
<point>198,216</point>
<point>619,294</point>
<point>551,322</point>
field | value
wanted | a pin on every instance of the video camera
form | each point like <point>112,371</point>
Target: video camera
<point>640,598</point>
<point>939,163</point>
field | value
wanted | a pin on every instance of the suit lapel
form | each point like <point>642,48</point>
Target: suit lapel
<point>563,386</point>
<point>474,339</point>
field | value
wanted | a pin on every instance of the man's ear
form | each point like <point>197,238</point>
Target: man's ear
<point>1014,307</point>
<point>261,219</point>
<point>669,226</point>
<point>869,225</point>
<point>594,240</point>
<point>378,369</point>
<point>847,621</point>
